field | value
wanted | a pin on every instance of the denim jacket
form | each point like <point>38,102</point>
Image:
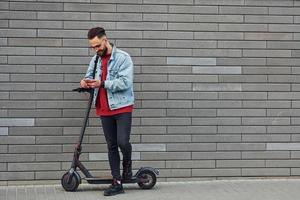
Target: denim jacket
<point>119,80</point>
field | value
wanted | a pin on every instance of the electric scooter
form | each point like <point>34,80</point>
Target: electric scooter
<point>145,177</point>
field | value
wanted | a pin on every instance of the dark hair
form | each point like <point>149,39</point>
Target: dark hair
<point>97,31</point>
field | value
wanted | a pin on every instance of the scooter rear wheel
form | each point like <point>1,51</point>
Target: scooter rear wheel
<point>70,185</point>
<point>147,179</point>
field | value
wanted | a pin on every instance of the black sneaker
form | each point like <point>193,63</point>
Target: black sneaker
<point>127,170</point>
<point>115,188</point>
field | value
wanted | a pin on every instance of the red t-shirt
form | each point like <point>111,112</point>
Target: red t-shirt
<point>102,107</point>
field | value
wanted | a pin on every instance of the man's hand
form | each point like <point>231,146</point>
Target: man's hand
<point>92,83</point>
<point>83,84</point>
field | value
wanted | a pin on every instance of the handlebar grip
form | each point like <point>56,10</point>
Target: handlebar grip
<point>82,89</point>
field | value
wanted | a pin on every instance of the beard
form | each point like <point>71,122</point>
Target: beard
<point>102,53</point>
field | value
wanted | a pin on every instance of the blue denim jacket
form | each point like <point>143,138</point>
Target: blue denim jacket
<point>119,80</point>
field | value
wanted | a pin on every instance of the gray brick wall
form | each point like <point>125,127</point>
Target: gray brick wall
<point>216,82</point>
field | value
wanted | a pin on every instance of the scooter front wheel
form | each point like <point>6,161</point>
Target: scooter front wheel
<point>146,179</point>
<point>70,182</point>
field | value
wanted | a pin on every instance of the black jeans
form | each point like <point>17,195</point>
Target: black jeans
<point>116,130</point>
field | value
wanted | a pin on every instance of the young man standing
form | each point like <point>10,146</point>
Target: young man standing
<point>114,99</point>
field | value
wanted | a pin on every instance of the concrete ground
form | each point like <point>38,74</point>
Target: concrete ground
<point>254,189</point>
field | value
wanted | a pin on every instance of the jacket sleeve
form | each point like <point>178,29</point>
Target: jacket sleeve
<point>89,72</point>
<point>124,78</point>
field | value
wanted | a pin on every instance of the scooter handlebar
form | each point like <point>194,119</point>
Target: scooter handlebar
<point>82,90</point>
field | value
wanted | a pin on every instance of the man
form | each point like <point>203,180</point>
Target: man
<point>114,99</point>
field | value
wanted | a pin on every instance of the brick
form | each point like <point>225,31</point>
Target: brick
<point>4,23</point>
<point>216,155</point>
<point>61,69</point>
<point>217,87</point>
<point>165,138</point>
<point>124,34</point>
<point>58,157</point>
<point>216,138</point>
<point>149,113</point>
<point>218,18</point>
<point>166,87</point>
<point>282,45</point>
<point>35,24</point>
<point>190,164</point>
<point>3,167</point>
<point>90,7</point>
<point>36,95</point>
<point>165,121</point>
<point>141,26</point>
<point>34,60</point>
<point>282,112</point>
<point>57,122</point>
<point>36,6</point>
<point>103,156</point>
<point>9,176</point>
<point>17,122</point>
<point>266,172</point>
<point>241,44</point>
<point>34,148</point>
<point>149,147</point>
<point>282,163</point>
<point>191,112</point>
<point>62,16</point>
<point>217,52</point>
<point>220,2</point>
<point>269,3</point>
<point>284,28</point>
<point>62,33</point>
<point>240,61</point>
<point>157,130</point>
<point>4,77</point>
<point>243,95</point>
<point>17,14</point>
<point>4,5</point>
<point>193,26</point>
<point>16,167</point>
<point>175,172</point>
<point>192,44</point>
<point>192,130</point>
<point>166,52</point>
<point>17,158</point>
<point>284,95</point>
<point>268,19</point>
<point>193,9</point>
<point>241,129</point>
<point>32,131</point>
<point>167,35</point>
<point>216,172</point>
<point>266,70</point>
<point>165,156</point>
<point>34,113</point>
<point>283,129</point>
<point>243,78</point>
<point>142,8</point>
<point>239,163</point>
<point>18,104</point>
<point>284,10</point>
<point>3,131</point>
<point>141,43</point>
<point>34,42</point>
<point>166,104</point>
<point>191,147</point>
<point>265,155</point>
<point>167,2</point>
<point>117,16</point>
<point>268,36</point>
<point>244,27</point>
<point>283,146</point>
<point>86,25</point>
<point>217,104</point>
<point>217,70</point>
<point>192,95</point>
<point>240,146</point>
<point>17,140</point>
<point>266,138</point>
<point>216,121</point>
<point>3,59</point>
<point>17,51</point>
<point>266,104</point>
<point>36,78</point>
<point>116,1</point>
<point>265,87</point>
<point>242,10</point>
<point>150,95</point>
<point>190,61</point>
<point>56,86</point>
<point>61,51</point>
<point>18,33</point>
<point>193,78</point>
<point>219,35</point>
<point>168,17</point>
<point>17,68</point>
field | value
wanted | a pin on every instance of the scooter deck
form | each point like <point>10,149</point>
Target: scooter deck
<point>103,180</point>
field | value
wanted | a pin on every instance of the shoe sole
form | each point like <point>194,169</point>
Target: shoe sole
<point>114,193</point>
